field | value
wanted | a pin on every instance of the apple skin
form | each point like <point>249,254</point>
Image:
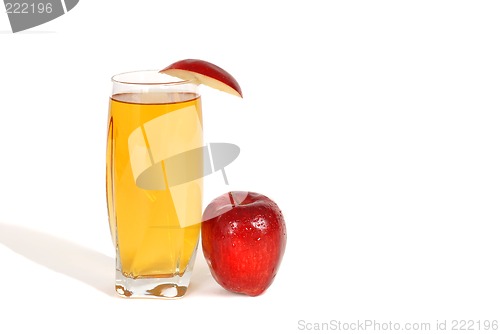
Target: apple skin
<point>206,73</point>
<point>243,239</point>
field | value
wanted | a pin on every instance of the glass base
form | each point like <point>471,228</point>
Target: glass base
<point>169,287</point>
<point>162,287</point>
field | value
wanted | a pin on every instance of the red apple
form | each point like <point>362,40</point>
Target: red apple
<point>243,238</point>
<point>205,73</point>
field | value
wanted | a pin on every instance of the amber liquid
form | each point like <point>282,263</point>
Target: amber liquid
<point>155,227</point>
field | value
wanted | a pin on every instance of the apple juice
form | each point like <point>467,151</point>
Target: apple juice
<point>155,227</point>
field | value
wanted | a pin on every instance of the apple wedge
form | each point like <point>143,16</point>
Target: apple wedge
<point>204,73</point>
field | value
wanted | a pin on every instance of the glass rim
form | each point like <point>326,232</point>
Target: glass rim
<point>169,80</point>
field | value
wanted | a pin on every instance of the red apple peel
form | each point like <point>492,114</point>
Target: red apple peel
<point>206,73</point>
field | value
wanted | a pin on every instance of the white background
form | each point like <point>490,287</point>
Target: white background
<point>373,124</point>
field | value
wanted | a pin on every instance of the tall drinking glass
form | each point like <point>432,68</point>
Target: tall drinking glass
<point>153,190</point>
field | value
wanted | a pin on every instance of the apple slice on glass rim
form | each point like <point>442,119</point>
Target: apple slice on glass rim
<point>205,73</point>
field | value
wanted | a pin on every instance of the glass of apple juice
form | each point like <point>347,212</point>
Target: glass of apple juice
<point>154,206</point>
